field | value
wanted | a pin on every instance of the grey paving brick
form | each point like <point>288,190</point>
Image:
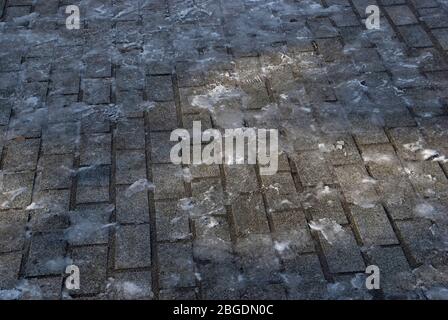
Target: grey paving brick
<point>357,186</point>
<point>304,275</point>
<point>140,281</point>
<point>401,15</point>
<point>258,259</point>
<point>92,263</point>
<point>398,280</point>
<point>95,149</point>
<point>98,66</point>
<point>427,178</point>
<point>381,161</point>
<point>131,207</point>
<point>9,268</point>
<point>56,171</point>
<point>22,155</point>
<point>161,147</point>
<point>212,242</point>
<point>343,255</point>
<point>13,225</point>
<point>373,225</point>
<point>207,197</point>
<point>93,184</point>
<point>313,168</point>
<point>130,134</point>
<point>96,91</point>
<point>168,181</point>
<point>176,265</point>
<point>16,189</point>
<point>291,229</point>
<point>240,178</point>
<point>162,116</point>
<point>131,166</point>
<point>160,88</point>
<point>415,36</point>
<point>46,255</point>
<point>60,138</point>
<point>89,225</point>
<point>172,221</point>
<point>250,215</point>
<point>441,36</point>
<point>132,247</point>
<point>399,198</point>
<point>324,203</point>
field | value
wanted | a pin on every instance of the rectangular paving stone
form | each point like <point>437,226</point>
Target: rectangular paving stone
<point>12,226</point>
<point>219,280</point>
<point>356,185</point>
<point>96,91</point>
<point>131,207</point>
<point>60,138</point>
<point>280,191</point>
<point>92,263</point>
<point>398,197</point>
<point>56,171</point>
<point>291,229</point>
<point>93,184</point>
<point>212,243</point>
<point>130,134</point>
<point>172,221</point>
<point>441,36</point>
<point>5,111</point>
<point>401,15</point>
<point>161,147</point>
<point>240,178</point>
<point>415,36</point>
<point>128,78</point>
<point>305,268</point>
<point>132,246</point>
<point>373,225</point>
<point>427,178</point>
<point>9,269</point>
<point>89,225</point>
<point>249,213</point>
<point>168,181</point>
<point>46,255</point>
<point>258,259</point>
<point>131,166</point>
<point>407,141</point>
<point>343,255</point>
<point>162,116</point>
<point>95,149</point>
<point>16,190</point>
<point>340,150</point>
<point>382,161</point>
<point>417,236</point>
<point>313,168</point>
<point>176,265</point>
<point>131,102</point>
<point>98,66</point>
<point>208,197</point>
<point>95,121</point>
<point>141,281</point>
<point>65,82</point>
<point>397,278</point>
<point>324,203</point>
<point>159,88</point>
<point>22,155</point>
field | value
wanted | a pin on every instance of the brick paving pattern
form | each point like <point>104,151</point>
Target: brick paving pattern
<point>86,177</point>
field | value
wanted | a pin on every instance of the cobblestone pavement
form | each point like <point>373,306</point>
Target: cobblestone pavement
<point>85,119</point>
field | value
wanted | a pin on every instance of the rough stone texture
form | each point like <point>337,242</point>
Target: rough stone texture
<point>85,122</point>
